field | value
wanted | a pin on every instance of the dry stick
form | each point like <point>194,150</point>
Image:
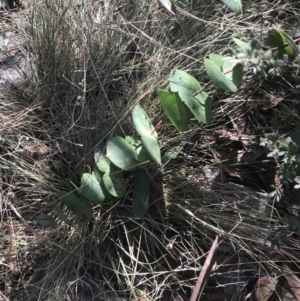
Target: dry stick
<point>205,272</point>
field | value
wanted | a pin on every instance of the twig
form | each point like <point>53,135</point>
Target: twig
<point>156,127</point>
<point>205,272</point>
<point>195,94</point>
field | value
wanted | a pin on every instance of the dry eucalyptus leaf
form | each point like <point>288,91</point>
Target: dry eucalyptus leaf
<point>293,281</point>
<point>264,289</point>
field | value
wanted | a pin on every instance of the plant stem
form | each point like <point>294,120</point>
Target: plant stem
<point>157,126</point>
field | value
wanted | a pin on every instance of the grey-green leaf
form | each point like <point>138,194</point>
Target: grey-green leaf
<point>46,221</point>
<point>132,142</point>
<point>72,202</point>
<point>233,72</point>
<point>172,152</point>
<point>169,5</point>
<point>151,146</point>
<point>102,161</point>
<point>218,79</point>
<point>105,192</point>
<point>217,59</point>
<point>174,108</point>
<point>120,153</point>
<point>97,174</point>
<point>245,47</point>
<point>201,107</point>
<point>91,189</point>
<point>186,86</point>
<point>180,79</point>
<point>234,5</point>
<point>143,156</point>
<point>61,215</point>
<point>115,184</point>
<point>228,77</point>
<point>142,122</point>
<point>141,192</point>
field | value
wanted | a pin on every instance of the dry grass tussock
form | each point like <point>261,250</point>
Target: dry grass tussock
<point>92,61</point>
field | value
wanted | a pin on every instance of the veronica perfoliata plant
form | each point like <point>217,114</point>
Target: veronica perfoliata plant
<point>258,60</point>
<point>286,154</point>
<point>282,51</point>
<point>185,99</point>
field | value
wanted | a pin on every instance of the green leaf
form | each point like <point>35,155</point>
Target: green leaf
<point>201,108</point>
<point>151,146</point>
<point>141,192</point>
<point>72,202</point>
<point>234,5</point>
<point>115,184</point>
<point>284,43</point>
<point>174,108</point>
<point>143,156</point>
<point>142,122</point>
<point>180,79</point>
<point>132,142</point>
<point>297,179</point>
<point>172,152</point>
<point>103,163</point>
<point>120,153</point>
<point>145,128</point>
<point>217,77</point>
<point>186,86</point>
<point>263,74</point>
<point>233,72</point>
<point>217,59</point>
<point>245,47</point>
<point>227,77</point>
<point>296,136</point>
<point>272,137</point>
<point>61,215</point>
<point>97,174</point>
<point>169,5</point>
<point>87,206</point>
<point>46,221</point>
<point>105,192</point>
<point>91,189</point>
<point>80,207</point>
<point>292,146</point>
